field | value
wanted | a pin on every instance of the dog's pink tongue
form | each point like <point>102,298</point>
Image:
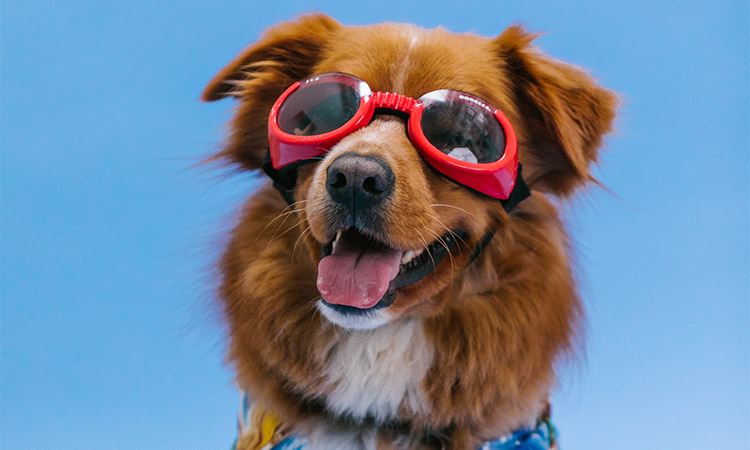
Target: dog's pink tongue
<point>357,273</point>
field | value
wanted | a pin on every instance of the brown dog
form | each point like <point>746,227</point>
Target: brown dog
<point>467,353</point>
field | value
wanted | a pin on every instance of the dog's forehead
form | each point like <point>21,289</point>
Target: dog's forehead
<point>413,61</point>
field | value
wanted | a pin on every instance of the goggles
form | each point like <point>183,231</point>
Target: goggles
<point>458,134</point>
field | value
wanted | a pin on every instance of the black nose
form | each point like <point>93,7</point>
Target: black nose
<point>359,182</point>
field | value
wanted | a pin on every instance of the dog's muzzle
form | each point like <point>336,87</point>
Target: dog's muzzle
<point>359,185</point>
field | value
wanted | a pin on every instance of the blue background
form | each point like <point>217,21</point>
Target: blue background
<point>109,336</point>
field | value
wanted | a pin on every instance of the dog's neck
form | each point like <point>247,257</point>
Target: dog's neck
<point>378,374</point>
<point>374,379</point>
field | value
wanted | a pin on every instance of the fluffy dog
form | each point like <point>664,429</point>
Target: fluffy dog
<point>467,353</point>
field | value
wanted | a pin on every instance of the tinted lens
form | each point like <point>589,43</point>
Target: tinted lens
<point>318,108</point>
<point>462,126</point>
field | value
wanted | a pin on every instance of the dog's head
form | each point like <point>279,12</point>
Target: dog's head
<point>387,231</point>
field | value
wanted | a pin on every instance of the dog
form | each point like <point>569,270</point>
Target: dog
<point>377,293</point>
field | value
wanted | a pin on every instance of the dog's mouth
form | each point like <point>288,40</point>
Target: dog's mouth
<point>358,273</point>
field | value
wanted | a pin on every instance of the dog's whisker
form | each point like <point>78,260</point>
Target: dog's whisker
<point>460,241</point>
<point>427,247</point>
<point>449,231</point>
<point>302,236</point>
<point>439,239</point>
<point>454,207</point>
<point>284,216</point>
<point>290,209</point>
<point>275,236</point>
<point>458,238</point>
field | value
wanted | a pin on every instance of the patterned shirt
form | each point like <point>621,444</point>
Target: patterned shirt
<point>260,429</point>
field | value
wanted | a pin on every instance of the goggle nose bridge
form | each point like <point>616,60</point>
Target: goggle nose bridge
<point>391,100</point>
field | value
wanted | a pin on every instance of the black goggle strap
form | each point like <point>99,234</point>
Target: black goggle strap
<point>518,194</point>
<point>481,245</point>
<point>284,179</point>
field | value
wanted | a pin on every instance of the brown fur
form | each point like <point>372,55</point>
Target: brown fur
<point>498,325</point>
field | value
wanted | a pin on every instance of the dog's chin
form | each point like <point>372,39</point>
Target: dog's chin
<point>363,319</point>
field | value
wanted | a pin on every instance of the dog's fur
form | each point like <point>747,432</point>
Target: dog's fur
<point>466,354</point>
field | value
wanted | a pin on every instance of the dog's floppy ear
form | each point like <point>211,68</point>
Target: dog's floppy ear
<point>291,48</point>
<point>258,75</point>
<point>564,112</point>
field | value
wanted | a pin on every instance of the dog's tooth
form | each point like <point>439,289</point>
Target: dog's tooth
<point>410,256</point>
<point>336,240</point>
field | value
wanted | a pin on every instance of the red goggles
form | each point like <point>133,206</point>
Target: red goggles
<point>458,134</point>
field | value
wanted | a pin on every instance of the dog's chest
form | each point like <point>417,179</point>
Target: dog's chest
<point>379,372</point>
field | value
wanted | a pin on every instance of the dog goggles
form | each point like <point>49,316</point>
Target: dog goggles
<point>458,134</point>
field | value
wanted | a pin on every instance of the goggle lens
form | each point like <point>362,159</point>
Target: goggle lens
<point>318,108</point>
<point>462,127</point>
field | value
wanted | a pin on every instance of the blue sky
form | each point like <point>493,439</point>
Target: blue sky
<point>109,336</point>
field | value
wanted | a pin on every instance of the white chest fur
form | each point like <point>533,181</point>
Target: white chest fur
<point>376,372</point>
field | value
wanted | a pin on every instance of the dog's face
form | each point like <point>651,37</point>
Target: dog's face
<point>422,227</point>
<point>386,231</point>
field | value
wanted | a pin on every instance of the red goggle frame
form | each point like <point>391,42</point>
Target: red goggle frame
<point>496,178</point>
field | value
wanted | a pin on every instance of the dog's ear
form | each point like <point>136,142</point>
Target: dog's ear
<point>258,75</point>
<point>564,112</point>
<point>291,48</point>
